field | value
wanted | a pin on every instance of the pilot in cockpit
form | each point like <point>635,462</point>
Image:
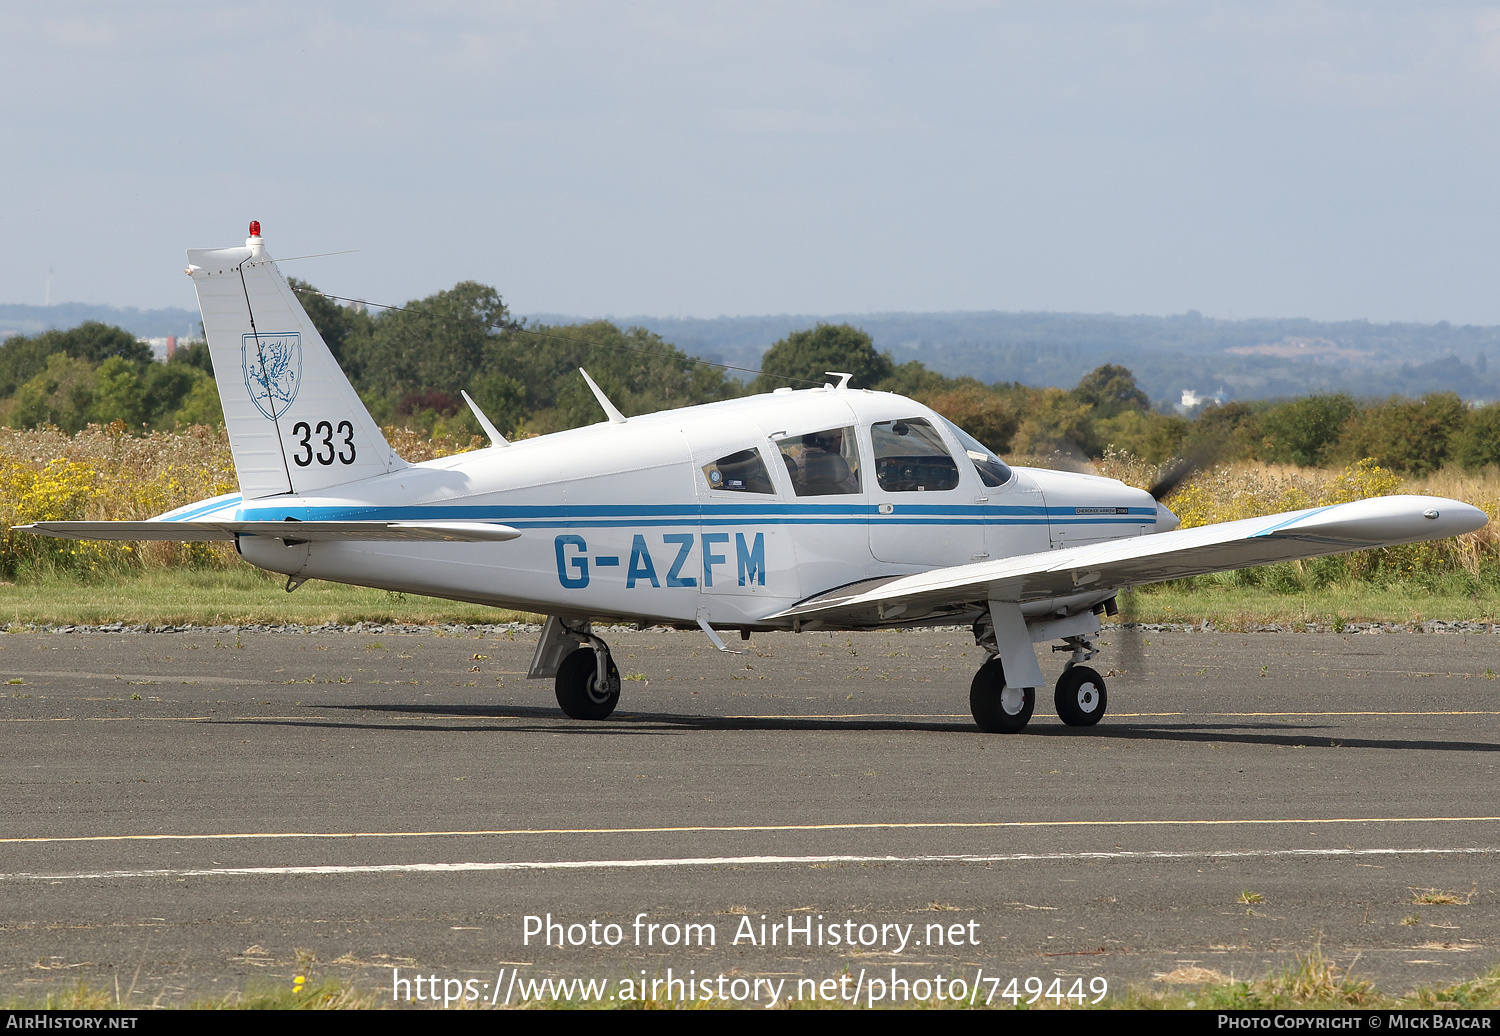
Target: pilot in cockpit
<point>822,469</point>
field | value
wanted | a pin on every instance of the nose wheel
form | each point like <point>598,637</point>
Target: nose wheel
<point>1080,697</point>
<point>581,692</point>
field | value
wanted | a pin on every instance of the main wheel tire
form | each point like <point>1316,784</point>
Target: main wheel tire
<point>999,709</point>
<point>1081,697</point>
<point>578,689</point>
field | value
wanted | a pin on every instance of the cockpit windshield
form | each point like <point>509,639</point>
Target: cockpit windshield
<point>992,470</point>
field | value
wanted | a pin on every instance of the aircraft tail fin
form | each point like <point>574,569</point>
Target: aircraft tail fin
<point>295,423</point>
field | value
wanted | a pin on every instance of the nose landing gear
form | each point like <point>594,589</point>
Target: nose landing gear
<point>1080,696</point>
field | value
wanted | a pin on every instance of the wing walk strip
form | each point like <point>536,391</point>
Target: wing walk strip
<point>721,829</point>
<point>731,861</point>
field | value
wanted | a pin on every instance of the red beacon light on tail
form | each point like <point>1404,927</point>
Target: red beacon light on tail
<point>255,228</point>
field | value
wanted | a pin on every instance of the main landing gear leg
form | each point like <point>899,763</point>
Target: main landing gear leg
<point>585,677</point>
<point>999,704</point>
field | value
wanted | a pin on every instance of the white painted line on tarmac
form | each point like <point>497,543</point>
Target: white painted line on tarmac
<point>728,861</point>
<point>109,719</point>
<point>917,825</point>
<point>1368,712</point>
<point>1113,715</point>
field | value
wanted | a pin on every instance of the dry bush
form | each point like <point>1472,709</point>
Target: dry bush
<point>414,445</point>
<point>1248,489</point>
<point>106,474</point>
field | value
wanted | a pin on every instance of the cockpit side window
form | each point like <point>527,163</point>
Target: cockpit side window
<point>822,463</point>
<point>742,472</point>
<point>993,471</point>
<point>910,457</point>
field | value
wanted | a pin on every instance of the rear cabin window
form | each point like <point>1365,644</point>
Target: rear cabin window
<point>822,463</point>
<point>742,472</point>
<point>910,457</point>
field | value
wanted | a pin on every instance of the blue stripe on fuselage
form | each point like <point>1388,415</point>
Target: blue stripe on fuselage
<point>607,516</point>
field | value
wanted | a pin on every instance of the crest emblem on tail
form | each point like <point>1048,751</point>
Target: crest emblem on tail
<point>273,370</point>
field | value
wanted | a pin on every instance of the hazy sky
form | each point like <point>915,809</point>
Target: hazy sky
<point>1331,160</point>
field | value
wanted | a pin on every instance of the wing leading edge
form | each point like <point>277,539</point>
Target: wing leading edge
<point>1294,535</point>
<point>302,532</point>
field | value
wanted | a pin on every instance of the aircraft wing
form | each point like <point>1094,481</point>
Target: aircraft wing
<point>1379,522</point>
<point>304,532</point>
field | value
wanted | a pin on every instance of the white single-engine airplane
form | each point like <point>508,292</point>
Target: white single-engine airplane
<point>825,508</point>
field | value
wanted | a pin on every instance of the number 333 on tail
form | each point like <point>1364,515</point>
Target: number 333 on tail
<point>318,444</point>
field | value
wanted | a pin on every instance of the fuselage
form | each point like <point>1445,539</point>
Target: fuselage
<point>726,512</point>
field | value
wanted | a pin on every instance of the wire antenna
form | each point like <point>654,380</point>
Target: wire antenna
<point>520,328</point>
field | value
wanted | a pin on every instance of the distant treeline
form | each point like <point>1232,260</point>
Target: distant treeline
<point>409,366</point>
<point>97,374</point>
<point>1238,359</point>
<point>1168,354</point>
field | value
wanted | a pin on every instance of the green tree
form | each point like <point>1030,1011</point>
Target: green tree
<point>1407,435</point>
<point>637,370</point>
<point>201,405</point>
<point>194,354</point>
<point>23,358</point>
<point>118,394</point>
<point>806,356</point>
<point>502,398</point>
<point>1110,390</point>
<point>1153,437</point>
<point>984,414</point>
<point>62,395</point>
<point>72,391</point>
<point>1303,431</point>
<point>915,380</point>
<point>433,343</point>
<point>1477,445</point>
<point>164,386</point>
<point>1054,421</point>
<point>335,323</point>
<point>1228,431</point>
<point>97,342</point>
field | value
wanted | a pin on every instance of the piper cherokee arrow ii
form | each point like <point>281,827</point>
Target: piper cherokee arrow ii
<point>829,508</point>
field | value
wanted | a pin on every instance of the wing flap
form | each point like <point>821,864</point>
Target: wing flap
<point>306,532</point>
<point>1295,535</point>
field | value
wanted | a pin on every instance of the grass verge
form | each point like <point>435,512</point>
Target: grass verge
<point>327,995</point>
<point>1226,605</point>
<point>1313,982</point>
<point>222,597</point>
